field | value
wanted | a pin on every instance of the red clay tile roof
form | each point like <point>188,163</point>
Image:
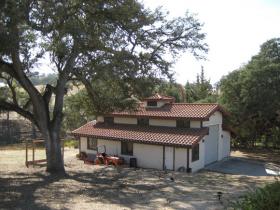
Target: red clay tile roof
<point>159,97</point>
<point>174,111</point>
<point>148,135</point>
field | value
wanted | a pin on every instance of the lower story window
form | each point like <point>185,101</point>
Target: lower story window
<point>91,143</point>
<point>127,148</point>
<point>195,152</point>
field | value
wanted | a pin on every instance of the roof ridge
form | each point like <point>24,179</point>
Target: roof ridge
<point>178,103</point>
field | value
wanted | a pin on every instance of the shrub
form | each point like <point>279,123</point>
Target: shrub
<point>263,198</point>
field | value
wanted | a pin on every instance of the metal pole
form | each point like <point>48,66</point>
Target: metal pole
<point>63,149</point>
<point>33,152</point>
<point>26,153</point>
<point>79,145</point>
<point>8,125</point>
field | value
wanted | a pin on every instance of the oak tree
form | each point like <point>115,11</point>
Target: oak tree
<point>81,40</point>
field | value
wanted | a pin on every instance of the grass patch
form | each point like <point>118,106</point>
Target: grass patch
<point>17,146</point>
<point>71,143</point>
<point>267,197</point>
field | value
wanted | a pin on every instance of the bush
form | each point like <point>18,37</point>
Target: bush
<point>263,198</point>
<point>71,143</point>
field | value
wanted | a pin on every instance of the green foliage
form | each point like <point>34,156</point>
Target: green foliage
<point>211,98</point>
<point>251,94</point>
<point>44,79</point>
<point>87,40</point>
<point>71,143</point>
<point>200,91</point>
<point>171,89</point>
<point>77,110</point>
<point>263,198</point>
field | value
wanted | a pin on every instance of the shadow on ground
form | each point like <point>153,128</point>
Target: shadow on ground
<point>100,187</point>
<point>124,188</point>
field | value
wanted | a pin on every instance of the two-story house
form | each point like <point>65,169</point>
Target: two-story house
<point>161,134</point>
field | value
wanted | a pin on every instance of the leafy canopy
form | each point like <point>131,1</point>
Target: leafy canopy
<point>251,94</point>
<point>85,40</point>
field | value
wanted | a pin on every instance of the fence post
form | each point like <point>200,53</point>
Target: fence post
<point>26,153</point>
<point>33,152</point>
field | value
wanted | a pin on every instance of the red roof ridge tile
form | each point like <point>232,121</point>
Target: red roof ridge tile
<point>185,103</point>
<point>158,96</point>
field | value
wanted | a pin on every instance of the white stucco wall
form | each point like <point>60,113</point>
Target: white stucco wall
<point>171,123</point>
<point>180,158</point>
<point>199,164</point>
<point>160,122</point>
<point>194,124</point>
<point>161,103</point>
<point>226,144</point>
<point>214,119</point>
<point>112,147</point>
<point>212,144</point>
<point>148,156</point>
<point>125,120</point>
<point>84,146</point>
<point>220,154</point>
<point>100,119</point>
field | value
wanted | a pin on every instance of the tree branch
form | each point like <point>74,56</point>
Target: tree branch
<point>12,88</point>
<point>13,107</point>
<point>9,82</point>
<point>60,88</point>
<point>49,90</point>
<point>7,68</point>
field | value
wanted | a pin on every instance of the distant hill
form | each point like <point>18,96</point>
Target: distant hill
<point>43,79</point>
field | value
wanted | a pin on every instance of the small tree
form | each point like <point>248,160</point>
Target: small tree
<point>83,40</point>
<point>200,90</point>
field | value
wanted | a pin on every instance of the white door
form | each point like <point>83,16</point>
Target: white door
<point>211,145</point>
<point>168,160</point>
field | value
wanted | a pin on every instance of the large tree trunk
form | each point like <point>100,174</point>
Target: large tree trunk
<point>55,163</point>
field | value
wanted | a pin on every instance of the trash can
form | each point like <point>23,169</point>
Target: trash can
<point>133,163</point>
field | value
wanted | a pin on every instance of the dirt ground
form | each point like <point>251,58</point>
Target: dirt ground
<point>258,155</point>
<point>100,187</point>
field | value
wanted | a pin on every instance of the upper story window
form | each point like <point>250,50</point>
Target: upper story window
<point>152,103</point>
<point>183,123</point>
<point>195,152</point>
<point>143,121</point>
<point>109,120</point>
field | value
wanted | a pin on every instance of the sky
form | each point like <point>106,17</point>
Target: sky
<point>235,30</point>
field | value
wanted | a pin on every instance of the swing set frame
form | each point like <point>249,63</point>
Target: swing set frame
<point>33,144</point>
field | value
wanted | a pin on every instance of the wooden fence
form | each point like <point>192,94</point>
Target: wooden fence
<point>17,131</point>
